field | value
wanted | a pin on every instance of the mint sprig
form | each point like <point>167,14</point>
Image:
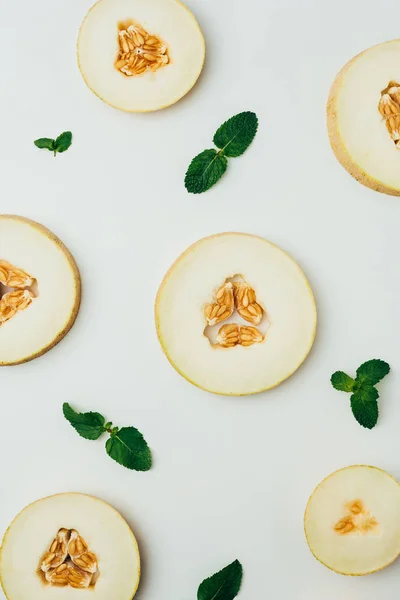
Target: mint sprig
<point>60,144</point>
<point>232,138</point>
<point>126,446</point>
<point>224,585</point>
<point>364,398</point>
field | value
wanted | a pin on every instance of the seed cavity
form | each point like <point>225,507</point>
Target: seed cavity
<point>139,51</point>
<point>357,520</point>
<point>68,561</point>
<point>18,295</point>
<point>235,294</point>
<point>389,107</point>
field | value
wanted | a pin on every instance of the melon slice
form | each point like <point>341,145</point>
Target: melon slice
<point>235,315</point>
<point>40,290</point>
<point>352,520</point>
<point>364,117</point>
<point>140,55</point>
<point>63,544</point>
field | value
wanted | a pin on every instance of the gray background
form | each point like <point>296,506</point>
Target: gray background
<point>231,477</point>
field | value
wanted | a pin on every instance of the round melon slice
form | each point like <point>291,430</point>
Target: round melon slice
<point>364,117</point>
<point>140,55</point>
<point>40,290</point>
<point>62,545</point>
<point>235,315</point>
<point>352,520</point>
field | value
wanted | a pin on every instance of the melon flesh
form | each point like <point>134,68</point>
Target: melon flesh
<point>281,289</point>
<point>357,130</point>
<point>98,48</point>
<point>373,540</point>
<point>105,531</point>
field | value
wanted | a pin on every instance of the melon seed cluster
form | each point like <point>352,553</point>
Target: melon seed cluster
<point>19,297</point>
<point>240,296</point>
<point>389,107</point>
<point>139,51</point>
<point>69,562</point>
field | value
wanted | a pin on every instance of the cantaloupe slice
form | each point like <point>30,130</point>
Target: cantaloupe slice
<point>364,117</point>
<point>235,315</point>
<point>140,55</point>
<point>40,290</point>
<point>352,520</point>
<point>66,546</point>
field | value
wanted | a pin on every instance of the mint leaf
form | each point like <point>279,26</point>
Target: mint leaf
<point>365,406</point>
<point>372,371</point>
<point>204,171</point>
<point>63,141</point>
<point>224,585</point>
<point>128,447</point>
<point>46,143</point>
<point>342,382</point>
<point>61,144</point>
<point>89,425</point>
<point>236,134</point>
<point>364,400</point>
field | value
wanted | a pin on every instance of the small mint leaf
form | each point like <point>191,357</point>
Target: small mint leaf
<point>204,171</point>
<point>128,448</point>
<point>89,425</point>
<point>46,143</point>
<point>364,404</point>
<point>372,371</point>
<point>342,382</point>
<point>224,585</point>
<point>236,134</point>
<point>63,142</point>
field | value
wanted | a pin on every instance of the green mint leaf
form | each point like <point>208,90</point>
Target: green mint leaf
<point>63,142</point>
<point>372,371</point>
<point>47,143</point>
<point>89,425</point>
<point>224,585</point>
<point>128,447</point>
<point>342,382</point>
<point>236,134</point>
<point>364,404</point>
<point>204,171</point>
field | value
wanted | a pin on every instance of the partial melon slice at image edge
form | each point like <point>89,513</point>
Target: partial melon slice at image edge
<point>357,130</point>
<point>31,247</point>
<point>158,32</point>
<point>257,356</point>
<point>352,520</point>
<point>92,532</point>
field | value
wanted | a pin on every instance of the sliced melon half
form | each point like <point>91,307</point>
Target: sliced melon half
<point>352,520</point>
<point>235,315</point>
<point>40,290</point>
<point>62,545</point>
<point>140,55</point>
<point>364,117</point>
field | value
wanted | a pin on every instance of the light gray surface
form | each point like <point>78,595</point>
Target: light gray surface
<point>231,477</point>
